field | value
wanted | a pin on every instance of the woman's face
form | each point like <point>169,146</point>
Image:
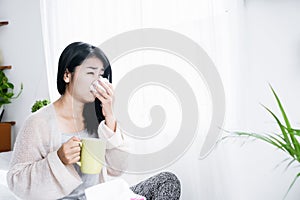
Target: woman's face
<point>85,74</point>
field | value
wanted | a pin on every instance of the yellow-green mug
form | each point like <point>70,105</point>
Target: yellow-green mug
<point>92,155</point>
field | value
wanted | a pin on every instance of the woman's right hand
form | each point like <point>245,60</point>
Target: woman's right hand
<point>69,152</point>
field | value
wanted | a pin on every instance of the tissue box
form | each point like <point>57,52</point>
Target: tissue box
<point>116,189</point>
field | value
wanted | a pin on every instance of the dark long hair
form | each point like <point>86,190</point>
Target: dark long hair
<point>71,57</point>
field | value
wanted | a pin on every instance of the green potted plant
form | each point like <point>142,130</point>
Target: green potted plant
<point>6,92</point>
<point>39,104</point>
<point>6,95</point>
<point>286,140</point>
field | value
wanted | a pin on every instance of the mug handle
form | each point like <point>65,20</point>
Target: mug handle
<point>79,163</point>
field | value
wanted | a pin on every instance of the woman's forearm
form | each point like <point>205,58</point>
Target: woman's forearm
<point>110,121</point>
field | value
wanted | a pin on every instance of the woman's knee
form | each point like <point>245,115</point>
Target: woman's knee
<point>170,177</point>
<point>170,187</point>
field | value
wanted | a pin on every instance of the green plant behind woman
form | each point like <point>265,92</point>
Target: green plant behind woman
<point>39,104</point>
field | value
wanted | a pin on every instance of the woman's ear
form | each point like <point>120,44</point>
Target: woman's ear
<point>67,76</point>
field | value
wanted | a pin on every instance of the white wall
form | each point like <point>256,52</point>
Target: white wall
<point>269,53</point>
<point>22,47</point>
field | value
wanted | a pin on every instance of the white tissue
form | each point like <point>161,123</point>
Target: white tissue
<point>97,84</point>
<point>116,189</point>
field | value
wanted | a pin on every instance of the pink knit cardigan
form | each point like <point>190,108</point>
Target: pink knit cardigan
<point>36,172</point>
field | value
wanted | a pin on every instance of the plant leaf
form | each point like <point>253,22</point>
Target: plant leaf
<point>288,125</point>
<point>285,135</point>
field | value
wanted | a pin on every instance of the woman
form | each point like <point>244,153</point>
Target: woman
<point>47,148</point>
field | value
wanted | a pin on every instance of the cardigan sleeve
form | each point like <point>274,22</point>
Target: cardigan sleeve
<point>36,173</point>
<point>117,148</point>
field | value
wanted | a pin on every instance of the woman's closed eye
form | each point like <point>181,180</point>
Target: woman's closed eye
<point>92,73</point>
<point>101,72</point>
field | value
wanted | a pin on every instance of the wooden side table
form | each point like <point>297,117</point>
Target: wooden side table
<point>5,136</point>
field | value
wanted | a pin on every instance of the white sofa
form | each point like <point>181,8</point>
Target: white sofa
<point>5,193</point>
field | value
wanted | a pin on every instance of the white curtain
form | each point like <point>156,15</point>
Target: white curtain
<point>213,24</point>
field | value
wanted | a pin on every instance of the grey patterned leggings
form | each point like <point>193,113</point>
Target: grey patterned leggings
<point>163,186</point>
